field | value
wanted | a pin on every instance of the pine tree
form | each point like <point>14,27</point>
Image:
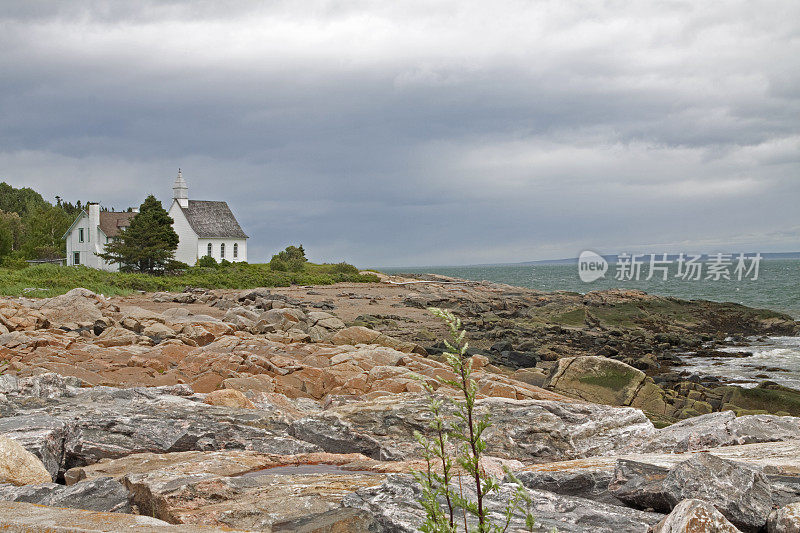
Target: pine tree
<point>148,244</point>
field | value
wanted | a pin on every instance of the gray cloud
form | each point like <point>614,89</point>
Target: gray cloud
<point>419,133</point>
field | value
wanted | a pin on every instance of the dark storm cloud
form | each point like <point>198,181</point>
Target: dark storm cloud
<point>420,133</point>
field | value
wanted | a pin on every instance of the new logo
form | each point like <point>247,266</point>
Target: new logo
<point>591,266</point>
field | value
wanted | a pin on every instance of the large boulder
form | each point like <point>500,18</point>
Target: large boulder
<point>116,336</point>
<point>18,466</point>
<point>694,516</point>
<point>158,332</point>
<point>395,507</point>
<point>229,398</point>
<point>78,308</point>
<point>526,430</point>
<point>607,381</point>
<point>639,477</point>
<point>640,485</point>
<point>283,319</point>
<point>740,492</point>
<point>40,434</point>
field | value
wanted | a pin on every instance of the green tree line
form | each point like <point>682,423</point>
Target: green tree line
<point>30,226</point>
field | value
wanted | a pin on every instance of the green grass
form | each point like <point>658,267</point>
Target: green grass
<point>615,381</point>
<point>57,280</point>
<point>576,317</point>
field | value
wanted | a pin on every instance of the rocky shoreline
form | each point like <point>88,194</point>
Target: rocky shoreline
<point>294,409</point>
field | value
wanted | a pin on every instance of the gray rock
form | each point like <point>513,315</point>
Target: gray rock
<point>44,386</point>
<point>640,485</point>
<point>231,314</point>
<point>764,428</point>
<point>694,516</point>
<point>28,517</point>
<point>395,508</point>
<point>785,519</point>
<point>335,435</point>
<point>720,429</point>
<point>285,318</point>
<point>527,430</point>
<point>106,422</point>
<point>40,434</point>
<point>587,483</point>
<point>740,492</point>
<point>785,489</point>
<point>99,494</point>
<point>325,320</point>
<point>76,308</point>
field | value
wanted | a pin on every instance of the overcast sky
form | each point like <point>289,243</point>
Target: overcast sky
<point>398,133</point>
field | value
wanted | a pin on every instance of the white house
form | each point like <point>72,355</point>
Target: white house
<point>90,233</point>
<point>205,228</point>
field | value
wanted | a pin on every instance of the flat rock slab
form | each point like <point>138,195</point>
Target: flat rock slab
<point>31,518</point>
<point>100,494</point>
<point>526,430</point>
<point>245,489</point>
<point>226,463</point>
<point>105,422</point>
<point>590,477</point>
<point>721,429</point>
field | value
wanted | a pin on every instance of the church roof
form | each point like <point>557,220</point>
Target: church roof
<point>111,222</point>
<point>212,219</point>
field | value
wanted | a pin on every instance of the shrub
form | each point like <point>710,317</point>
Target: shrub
<point>466,430</point>
<point>343,268</point>
<point>292,259</point>
<point>207,262</point>
<point>13,262</point>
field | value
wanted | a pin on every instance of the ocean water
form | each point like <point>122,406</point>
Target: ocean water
<point>777,288</point>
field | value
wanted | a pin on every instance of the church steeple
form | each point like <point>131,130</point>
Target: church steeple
<point>180,191</point>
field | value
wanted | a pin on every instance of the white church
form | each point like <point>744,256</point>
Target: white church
<point>203,227</point>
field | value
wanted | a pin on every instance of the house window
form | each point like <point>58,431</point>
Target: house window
<point>235,250</point>
<point>76,257</point>
<point>210,249</point>
<point>80,234</point>
<point>222,251</point>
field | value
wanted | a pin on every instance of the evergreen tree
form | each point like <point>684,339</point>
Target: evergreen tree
<point>148,244</point>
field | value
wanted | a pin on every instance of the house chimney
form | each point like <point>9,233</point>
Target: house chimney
<point>180,191</point>
<point>94,220</point>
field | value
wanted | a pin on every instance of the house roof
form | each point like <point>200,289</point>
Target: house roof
<point>212,219</point>
<point>111,222</point>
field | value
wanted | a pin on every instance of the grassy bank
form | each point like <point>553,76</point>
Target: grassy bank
<point>56,280</point>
